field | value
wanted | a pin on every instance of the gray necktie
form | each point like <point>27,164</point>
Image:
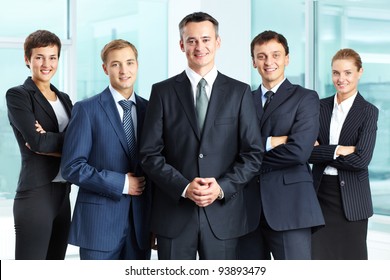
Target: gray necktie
<point>201,103</point>
<point>269,95</point>
<point>128,126</point>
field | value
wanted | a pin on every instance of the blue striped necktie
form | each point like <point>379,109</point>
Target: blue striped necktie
<point>128,126</point>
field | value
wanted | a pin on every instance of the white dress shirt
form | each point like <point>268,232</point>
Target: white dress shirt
<point>118,97</point>
<point>339,114</point>
<point>268,145</point>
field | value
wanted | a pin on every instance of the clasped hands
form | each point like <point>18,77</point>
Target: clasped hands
<point>203,191</point>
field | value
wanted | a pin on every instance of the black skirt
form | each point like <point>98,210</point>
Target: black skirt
<point>340,239</point>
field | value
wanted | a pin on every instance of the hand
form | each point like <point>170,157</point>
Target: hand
<point>39,128</point>
<point>278,140</point>
<point>203,191</point>
<point>136,184</point>
<point>345,150</point>
<point>43,154</point>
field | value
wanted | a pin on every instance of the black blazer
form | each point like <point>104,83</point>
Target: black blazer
<point>26,104</point>
<point>174,153</point>
<point>288,196</point>
<point>359,129</point>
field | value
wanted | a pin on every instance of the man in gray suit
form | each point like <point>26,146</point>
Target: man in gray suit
<point>201,147</point>
<point>112,212</point>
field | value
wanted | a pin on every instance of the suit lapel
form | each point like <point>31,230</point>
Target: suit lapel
<point>184,94</point>
<point>141,108</point>
<point>257,98</point>
<point>325,118</point>
<point>41,100</point>
<point>217,100</point>
<point>283,93</point>
<point>109,107</point>
<point>353,119</point>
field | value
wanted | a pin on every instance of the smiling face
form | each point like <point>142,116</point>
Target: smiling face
<point>200,43</point>
<point>270,60</point>
<point>122,66</point>
<point>345,77</point>
<point>43,63</point>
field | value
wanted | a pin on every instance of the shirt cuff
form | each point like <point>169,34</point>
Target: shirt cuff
<point>126,186</point>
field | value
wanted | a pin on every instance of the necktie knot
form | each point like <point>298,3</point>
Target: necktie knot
<point>126,104</point>
<point>269,95</point>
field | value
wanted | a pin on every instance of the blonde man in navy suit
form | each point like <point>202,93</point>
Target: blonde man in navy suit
<point>111,216</point>
<point>39,114</point>
<point>342,153</point>
<point>289,124</point>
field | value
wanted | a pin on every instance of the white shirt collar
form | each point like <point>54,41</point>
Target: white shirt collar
<point>195,77</point>
<point>274,89</point>
<point>346,105</point>
<point>118,97</point>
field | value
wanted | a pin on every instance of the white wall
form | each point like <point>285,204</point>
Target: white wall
<point>233,58</point>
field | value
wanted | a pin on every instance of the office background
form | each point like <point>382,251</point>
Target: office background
<point>315,30</point>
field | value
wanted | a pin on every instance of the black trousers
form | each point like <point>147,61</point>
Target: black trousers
<point>197,240</point>
<point>42,220</point>
<point>340,239</point>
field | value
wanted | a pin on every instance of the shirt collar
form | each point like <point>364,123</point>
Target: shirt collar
<point>118,97</point>
<point>346,105</point>
<point>274,89</point>
<point>195,77</point>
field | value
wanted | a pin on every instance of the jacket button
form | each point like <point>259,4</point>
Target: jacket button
<point>342,183</point>
<point>200,155</point>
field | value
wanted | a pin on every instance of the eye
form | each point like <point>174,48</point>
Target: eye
<point>276,55</point>
<point>191,42</point>
<point>261,57</point>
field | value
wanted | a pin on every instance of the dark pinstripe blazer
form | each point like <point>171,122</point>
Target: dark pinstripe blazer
<point>359,130</point>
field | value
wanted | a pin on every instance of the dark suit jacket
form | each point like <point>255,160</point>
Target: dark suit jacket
<point>287,193</point>
<point>96,158</point>
<point>359,130</point>
<point>174,153</point>
<point>26,104</point>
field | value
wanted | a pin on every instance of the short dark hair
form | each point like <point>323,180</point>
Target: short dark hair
<point>197,17</point>
<point>349,54</point>
<point>267,36</point>
<point>117,44</point>
<point>40,39</point>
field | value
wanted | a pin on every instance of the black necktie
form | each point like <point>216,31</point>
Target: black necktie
<point>128,126</point>
<point>201,103</point>
<point>269,95</point>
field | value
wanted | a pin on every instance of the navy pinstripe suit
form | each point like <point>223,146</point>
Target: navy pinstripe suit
<point>359,130</point>
<point>96,158</point>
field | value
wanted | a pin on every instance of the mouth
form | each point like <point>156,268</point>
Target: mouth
<point>269,70</point>
<point>45,72</point>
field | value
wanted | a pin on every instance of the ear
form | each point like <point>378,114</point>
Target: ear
<point>360,72</point>
<point>105,68</point>
<point>181,43</point>
<point>27,61</point>
<point>253,63</point>
<point>218,42</point>
<point>287,60</point>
